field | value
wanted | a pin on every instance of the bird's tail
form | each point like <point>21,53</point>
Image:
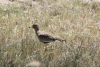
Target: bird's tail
<point>60,39</point>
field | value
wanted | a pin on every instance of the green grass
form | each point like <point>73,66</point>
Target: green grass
<point>74,21</point>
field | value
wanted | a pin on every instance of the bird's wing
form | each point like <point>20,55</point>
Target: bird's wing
<point>45,36</point>
<point>48,37</point>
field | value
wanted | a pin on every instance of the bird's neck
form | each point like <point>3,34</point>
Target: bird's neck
<point>36,31</point>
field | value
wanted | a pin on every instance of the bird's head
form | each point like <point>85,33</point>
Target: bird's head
<point>35,26</point>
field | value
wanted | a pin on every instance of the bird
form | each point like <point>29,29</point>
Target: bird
<point>46,37</point>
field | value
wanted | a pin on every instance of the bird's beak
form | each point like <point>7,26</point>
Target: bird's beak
<point>30,27</point>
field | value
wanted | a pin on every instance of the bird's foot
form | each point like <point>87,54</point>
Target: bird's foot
<point>46,50</point>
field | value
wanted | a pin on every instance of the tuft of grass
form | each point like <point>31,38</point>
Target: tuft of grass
<point>94,6</point>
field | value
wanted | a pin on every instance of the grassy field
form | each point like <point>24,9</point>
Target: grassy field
<point>73,20</point>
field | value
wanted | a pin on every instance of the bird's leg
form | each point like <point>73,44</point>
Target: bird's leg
<point>46,49</point>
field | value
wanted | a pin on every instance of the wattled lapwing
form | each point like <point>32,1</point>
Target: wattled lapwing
<point>45,37</point>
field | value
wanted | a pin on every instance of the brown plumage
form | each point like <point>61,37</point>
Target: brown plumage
<point>45,37</point>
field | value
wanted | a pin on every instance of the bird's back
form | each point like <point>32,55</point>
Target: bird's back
<point>46,37</point>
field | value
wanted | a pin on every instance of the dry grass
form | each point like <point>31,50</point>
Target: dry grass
<point>77,22</point>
